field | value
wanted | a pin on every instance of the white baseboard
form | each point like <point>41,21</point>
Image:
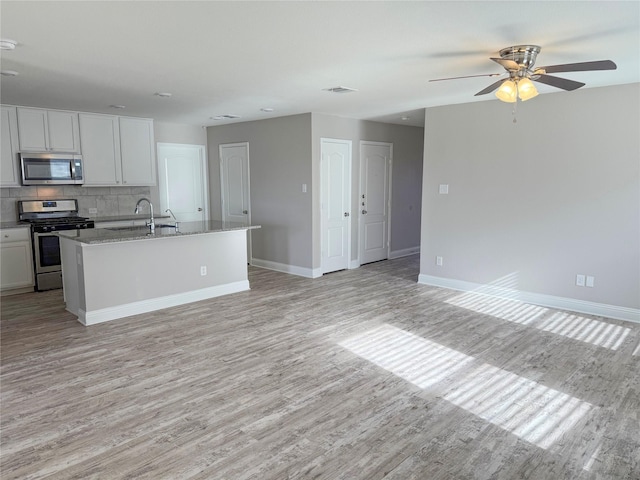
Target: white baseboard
<point>404,252</point>
<point>150,305</point>
<point>561,303</point>
<point>284,268</point>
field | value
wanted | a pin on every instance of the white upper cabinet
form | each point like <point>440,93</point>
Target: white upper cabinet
<point>100,140</point>
<point>117,151</point>
<point>138,155</point>
<point>9,171</point>
<point>48,130</point>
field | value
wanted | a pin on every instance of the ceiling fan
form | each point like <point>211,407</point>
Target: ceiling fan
<point>519,62</point>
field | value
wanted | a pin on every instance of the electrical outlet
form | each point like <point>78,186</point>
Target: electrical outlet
<point>580,280</point>
<point>203,271</point>
<point>439,261</point>
<point>93,211</point>
<point>591,281</point>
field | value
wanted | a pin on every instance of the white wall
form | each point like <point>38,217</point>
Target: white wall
<point>537,202</point>
<point>166,132</point>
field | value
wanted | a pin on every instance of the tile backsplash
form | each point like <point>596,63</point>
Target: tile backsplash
<point>109,201</point>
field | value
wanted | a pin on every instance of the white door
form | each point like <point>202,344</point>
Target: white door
<point>234,185</point>
<point>183,182</point>
<point>335,201</point>
<point>375,194</point>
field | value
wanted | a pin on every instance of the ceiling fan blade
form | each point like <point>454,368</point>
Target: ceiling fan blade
<point>558,82</point>
<point>467,76</point>
<point>508,64</point>
<point>580,67</point>
<point>490,88</point>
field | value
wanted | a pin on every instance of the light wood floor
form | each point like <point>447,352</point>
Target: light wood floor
<point>361,374</point>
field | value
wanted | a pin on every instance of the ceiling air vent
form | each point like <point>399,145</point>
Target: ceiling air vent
<point>226,116</point>
<point>341,89</point>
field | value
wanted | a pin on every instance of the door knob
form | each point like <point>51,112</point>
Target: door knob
<point>245,211</point>
<point>364,212</point>
<point>199,209</point>
<point>346,214</point>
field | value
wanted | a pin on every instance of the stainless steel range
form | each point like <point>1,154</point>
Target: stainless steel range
<point>47,217</point>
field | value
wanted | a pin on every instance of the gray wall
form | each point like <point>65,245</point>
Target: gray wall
<point>406,188</point>
<point>279,163</point>
<point>285,153</point>
<point>539,201</point>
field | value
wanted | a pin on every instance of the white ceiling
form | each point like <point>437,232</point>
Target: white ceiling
<point>238,57</point>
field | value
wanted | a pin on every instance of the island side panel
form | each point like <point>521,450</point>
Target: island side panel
<point>153,273</point>
<point>72,275</point>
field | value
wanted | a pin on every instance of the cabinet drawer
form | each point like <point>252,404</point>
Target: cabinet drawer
<point>15,235</point>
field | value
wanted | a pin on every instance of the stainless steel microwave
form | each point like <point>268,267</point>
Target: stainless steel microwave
<point>51,169</point>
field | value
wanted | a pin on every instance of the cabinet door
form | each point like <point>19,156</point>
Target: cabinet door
<point>16,267</point>
<point>137,148</point>
<point>32,128</point>
<point>63,131</point>
<point>9,172</point>
<point>48,130</point>
<point>100,140</point>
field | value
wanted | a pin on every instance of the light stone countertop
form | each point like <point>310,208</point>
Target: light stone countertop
<point>14,224</point>
<point>123,234</point>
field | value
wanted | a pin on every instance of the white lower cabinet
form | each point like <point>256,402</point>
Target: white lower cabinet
<point>16,260</point>
<point>117,151</point>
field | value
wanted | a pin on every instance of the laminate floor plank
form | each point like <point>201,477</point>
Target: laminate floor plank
<point>360,374</point>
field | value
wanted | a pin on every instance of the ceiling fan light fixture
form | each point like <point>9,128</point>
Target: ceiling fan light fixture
<point>508,91</point>
<point>526,89</point>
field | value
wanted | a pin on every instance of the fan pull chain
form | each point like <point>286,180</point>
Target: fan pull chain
<point>515,110</point>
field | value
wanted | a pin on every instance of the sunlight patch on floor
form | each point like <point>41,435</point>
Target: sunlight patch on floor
<point>602,334</point>
<point>538,414</point>
<point>499,299</point>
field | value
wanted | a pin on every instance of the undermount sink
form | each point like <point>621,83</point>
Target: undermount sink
<point>141,228</point>
<point>130,228</point>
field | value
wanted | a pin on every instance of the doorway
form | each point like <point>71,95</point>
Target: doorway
<point>374,201</point>
<point>234,186</point>
<point>335,204</point>
<point>183,185</point>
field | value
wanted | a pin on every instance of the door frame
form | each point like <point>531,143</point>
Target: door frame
<point>222,190</point>
<point>202,150</point>
<point>360,187</point>
<point>323,219</point>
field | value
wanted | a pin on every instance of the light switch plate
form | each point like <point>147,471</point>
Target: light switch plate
<point>93,211</point>
<point>580,280</point>
<point>443,189</point>
<point>591,281</point>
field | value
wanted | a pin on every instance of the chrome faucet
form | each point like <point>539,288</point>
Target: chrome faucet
<point>151,224</point>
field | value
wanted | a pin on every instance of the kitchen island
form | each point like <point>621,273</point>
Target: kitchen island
<point>111,273</point>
